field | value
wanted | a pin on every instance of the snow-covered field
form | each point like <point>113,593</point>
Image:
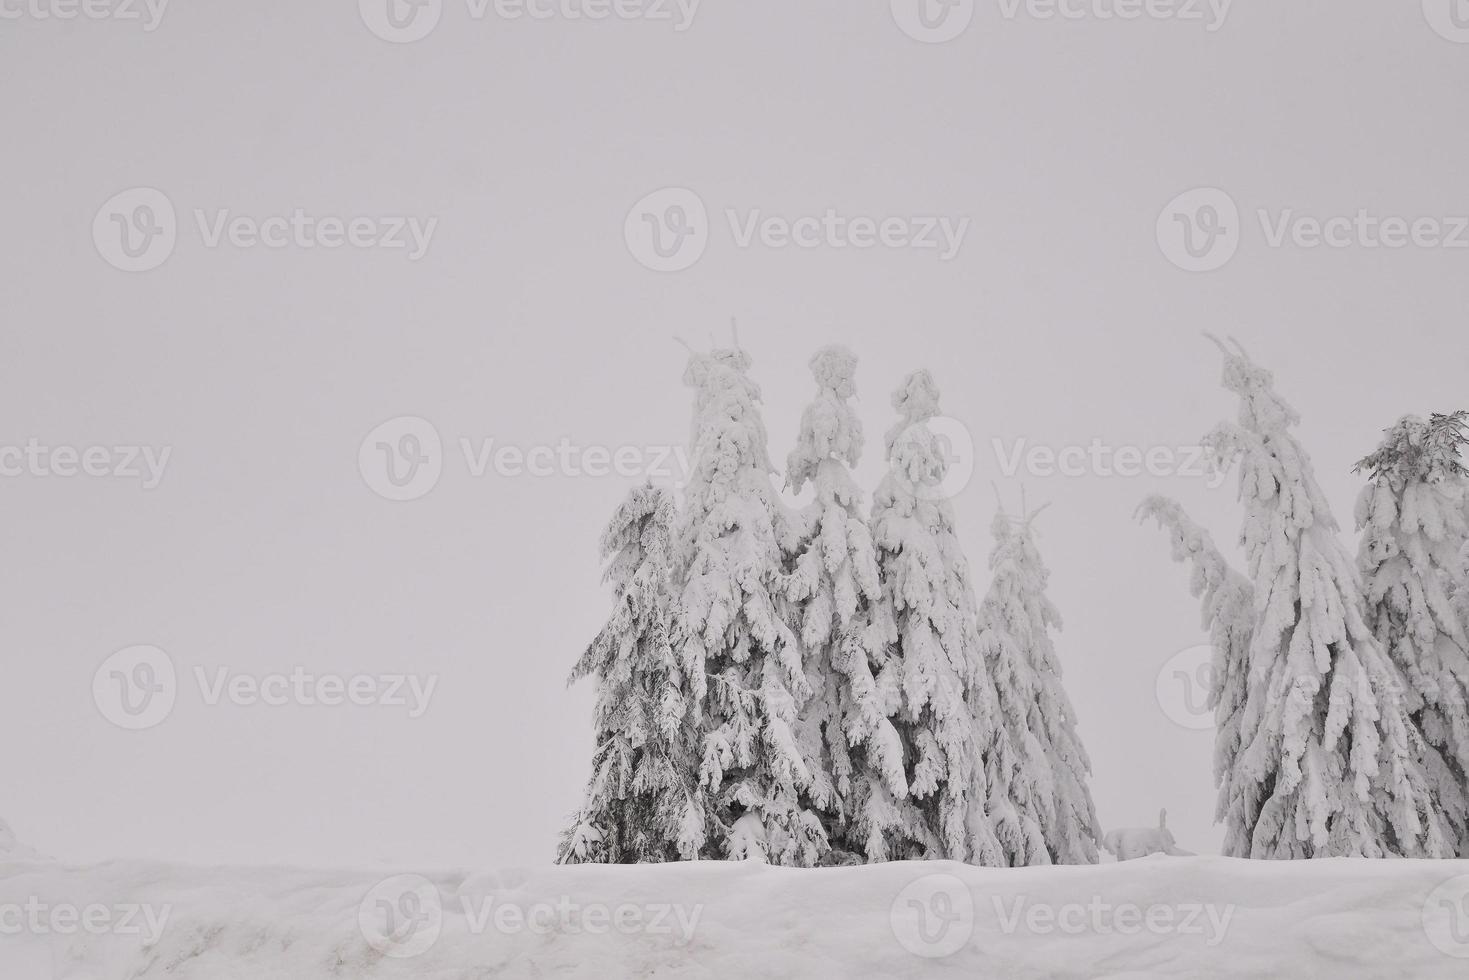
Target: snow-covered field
<point>1157,917</point>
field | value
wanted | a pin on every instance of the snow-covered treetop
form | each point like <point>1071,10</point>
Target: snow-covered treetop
<point>835,367</point>
<point>1413,449</point>
<point>829,427</point>
<point>700,366</point>
<point>1261,408</point>
<point>726,420</point>
<point>916,400</point>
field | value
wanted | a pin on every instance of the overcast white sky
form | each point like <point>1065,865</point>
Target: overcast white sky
<point>530,319</point>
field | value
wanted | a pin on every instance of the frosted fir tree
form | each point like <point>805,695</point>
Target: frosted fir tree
<point>1037,771</point>
<point>1228,600</point>
<point>1331,753</point>
<point>1412,519</point>
<point>928,613</point>
<point>734,540</point>
<point>858,783</point>
<point>643,801</point>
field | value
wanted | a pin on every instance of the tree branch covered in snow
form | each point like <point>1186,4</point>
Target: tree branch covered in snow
<point>1228,602</point>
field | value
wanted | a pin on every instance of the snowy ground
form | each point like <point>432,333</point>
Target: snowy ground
<point>1158,917</point>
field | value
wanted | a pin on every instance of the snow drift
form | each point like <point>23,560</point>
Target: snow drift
<point>1156,917</point>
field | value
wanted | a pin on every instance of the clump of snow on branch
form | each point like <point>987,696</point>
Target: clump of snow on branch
<point>1228,601</point>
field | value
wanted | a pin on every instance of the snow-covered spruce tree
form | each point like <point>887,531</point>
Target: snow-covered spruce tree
<point>1039,803</point>
<point>1331,752</point>
<point>734,540</point>
<point>643,801</point>
<point>1228,600</point>
<point>1412,518</point>
<point>928,613</point>
<point>858,784</point>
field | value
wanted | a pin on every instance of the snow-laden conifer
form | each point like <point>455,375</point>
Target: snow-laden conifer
<point>1037,771</point>
<point>643,801</point>
<point>734,540</point>
<point>1228,600</point>
<point>1412,518</point>
<point>928,612</point>
<point>1330,752</point>
<point>858,783</point>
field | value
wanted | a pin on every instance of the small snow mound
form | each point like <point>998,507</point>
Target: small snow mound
<point>12,849</point>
